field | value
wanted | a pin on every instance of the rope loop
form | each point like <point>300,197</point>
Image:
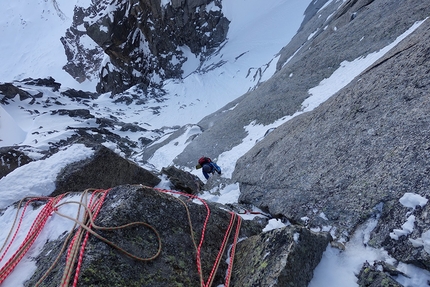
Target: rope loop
<point>84,226</point>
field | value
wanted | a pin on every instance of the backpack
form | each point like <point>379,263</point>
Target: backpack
<point>204,160</point>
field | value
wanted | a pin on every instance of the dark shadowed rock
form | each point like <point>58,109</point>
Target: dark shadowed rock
<point>281,257</point>
<point>78,113</point>
<point>103,170</point>
<point>83,62</point>
<point>9,91</point>
<point>12,158</point>
<point>182,180</point>
<point>46,82</point>
<point>120,29</point>
<point>78,94</point>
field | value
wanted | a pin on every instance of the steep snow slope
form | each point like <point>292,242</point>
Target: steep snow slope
<point>30,45</point>
<point>257,32</point>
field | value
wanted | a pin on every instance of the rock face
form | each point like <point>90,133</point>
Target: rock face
<point>358,29</point>
<point>103,170</point>
<point>281,257</point>
<point>146,41</point>
<point>367,144</point>
<point>183,181</point>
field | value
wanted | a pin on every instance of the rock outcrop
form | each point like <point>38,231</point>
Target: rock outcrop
<point>377,275</point>
<point>182,180</point>
<point>175,225</point>
<point>281,257</point>
<point>12,158</point>
<point>103,170</point>
<point>146,41</point>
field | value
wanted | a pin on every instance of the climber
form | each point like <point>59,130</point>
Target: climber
<point>208,166</point>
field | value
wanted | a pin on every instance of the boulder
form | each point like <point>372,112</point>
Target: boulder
<point>105,169</point>
<point>182,180</point>
<point>375,276</point>
<point>177,221</point>
<point>281,257</point>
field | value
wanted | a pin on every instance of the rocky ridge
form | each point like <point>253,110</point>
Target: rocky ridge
<point>146,41</point>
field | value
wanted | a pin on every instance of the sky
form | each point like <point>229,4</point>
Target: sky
<point>252,33</point>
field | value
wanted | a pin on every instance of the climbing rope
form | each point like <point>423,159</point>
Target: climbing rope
<point>233,219</point>
<point>84,225</point>
<point>199,247</point>
<point>70,234</point>
<point>196,248</point>
<point>221,250</point>
<point>74,253</point>
<point>233,251</point>
<point>88,226</point>
<point>33,233</point>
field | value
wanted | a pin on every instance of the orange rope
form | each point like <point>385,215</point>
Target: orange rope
<point>221,250</point>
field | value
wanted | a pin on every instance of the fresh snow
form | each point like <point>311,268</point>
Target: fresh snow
<point>254,40</point>
<point>37,178</point>
<point>31,46</point>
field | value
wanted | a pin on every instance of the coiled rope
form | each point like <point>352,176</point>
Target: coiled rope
<point>86,226</point>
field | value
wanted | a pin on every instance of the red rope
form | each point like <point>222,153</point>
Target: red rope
<point>221,250</point>
<point>17,229</point>
<point>96,206</point>
<point>223,244</point>
<point>50,207</point>
<point>32,235</point>
<point>232,253</point>
<point>208,211</point>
